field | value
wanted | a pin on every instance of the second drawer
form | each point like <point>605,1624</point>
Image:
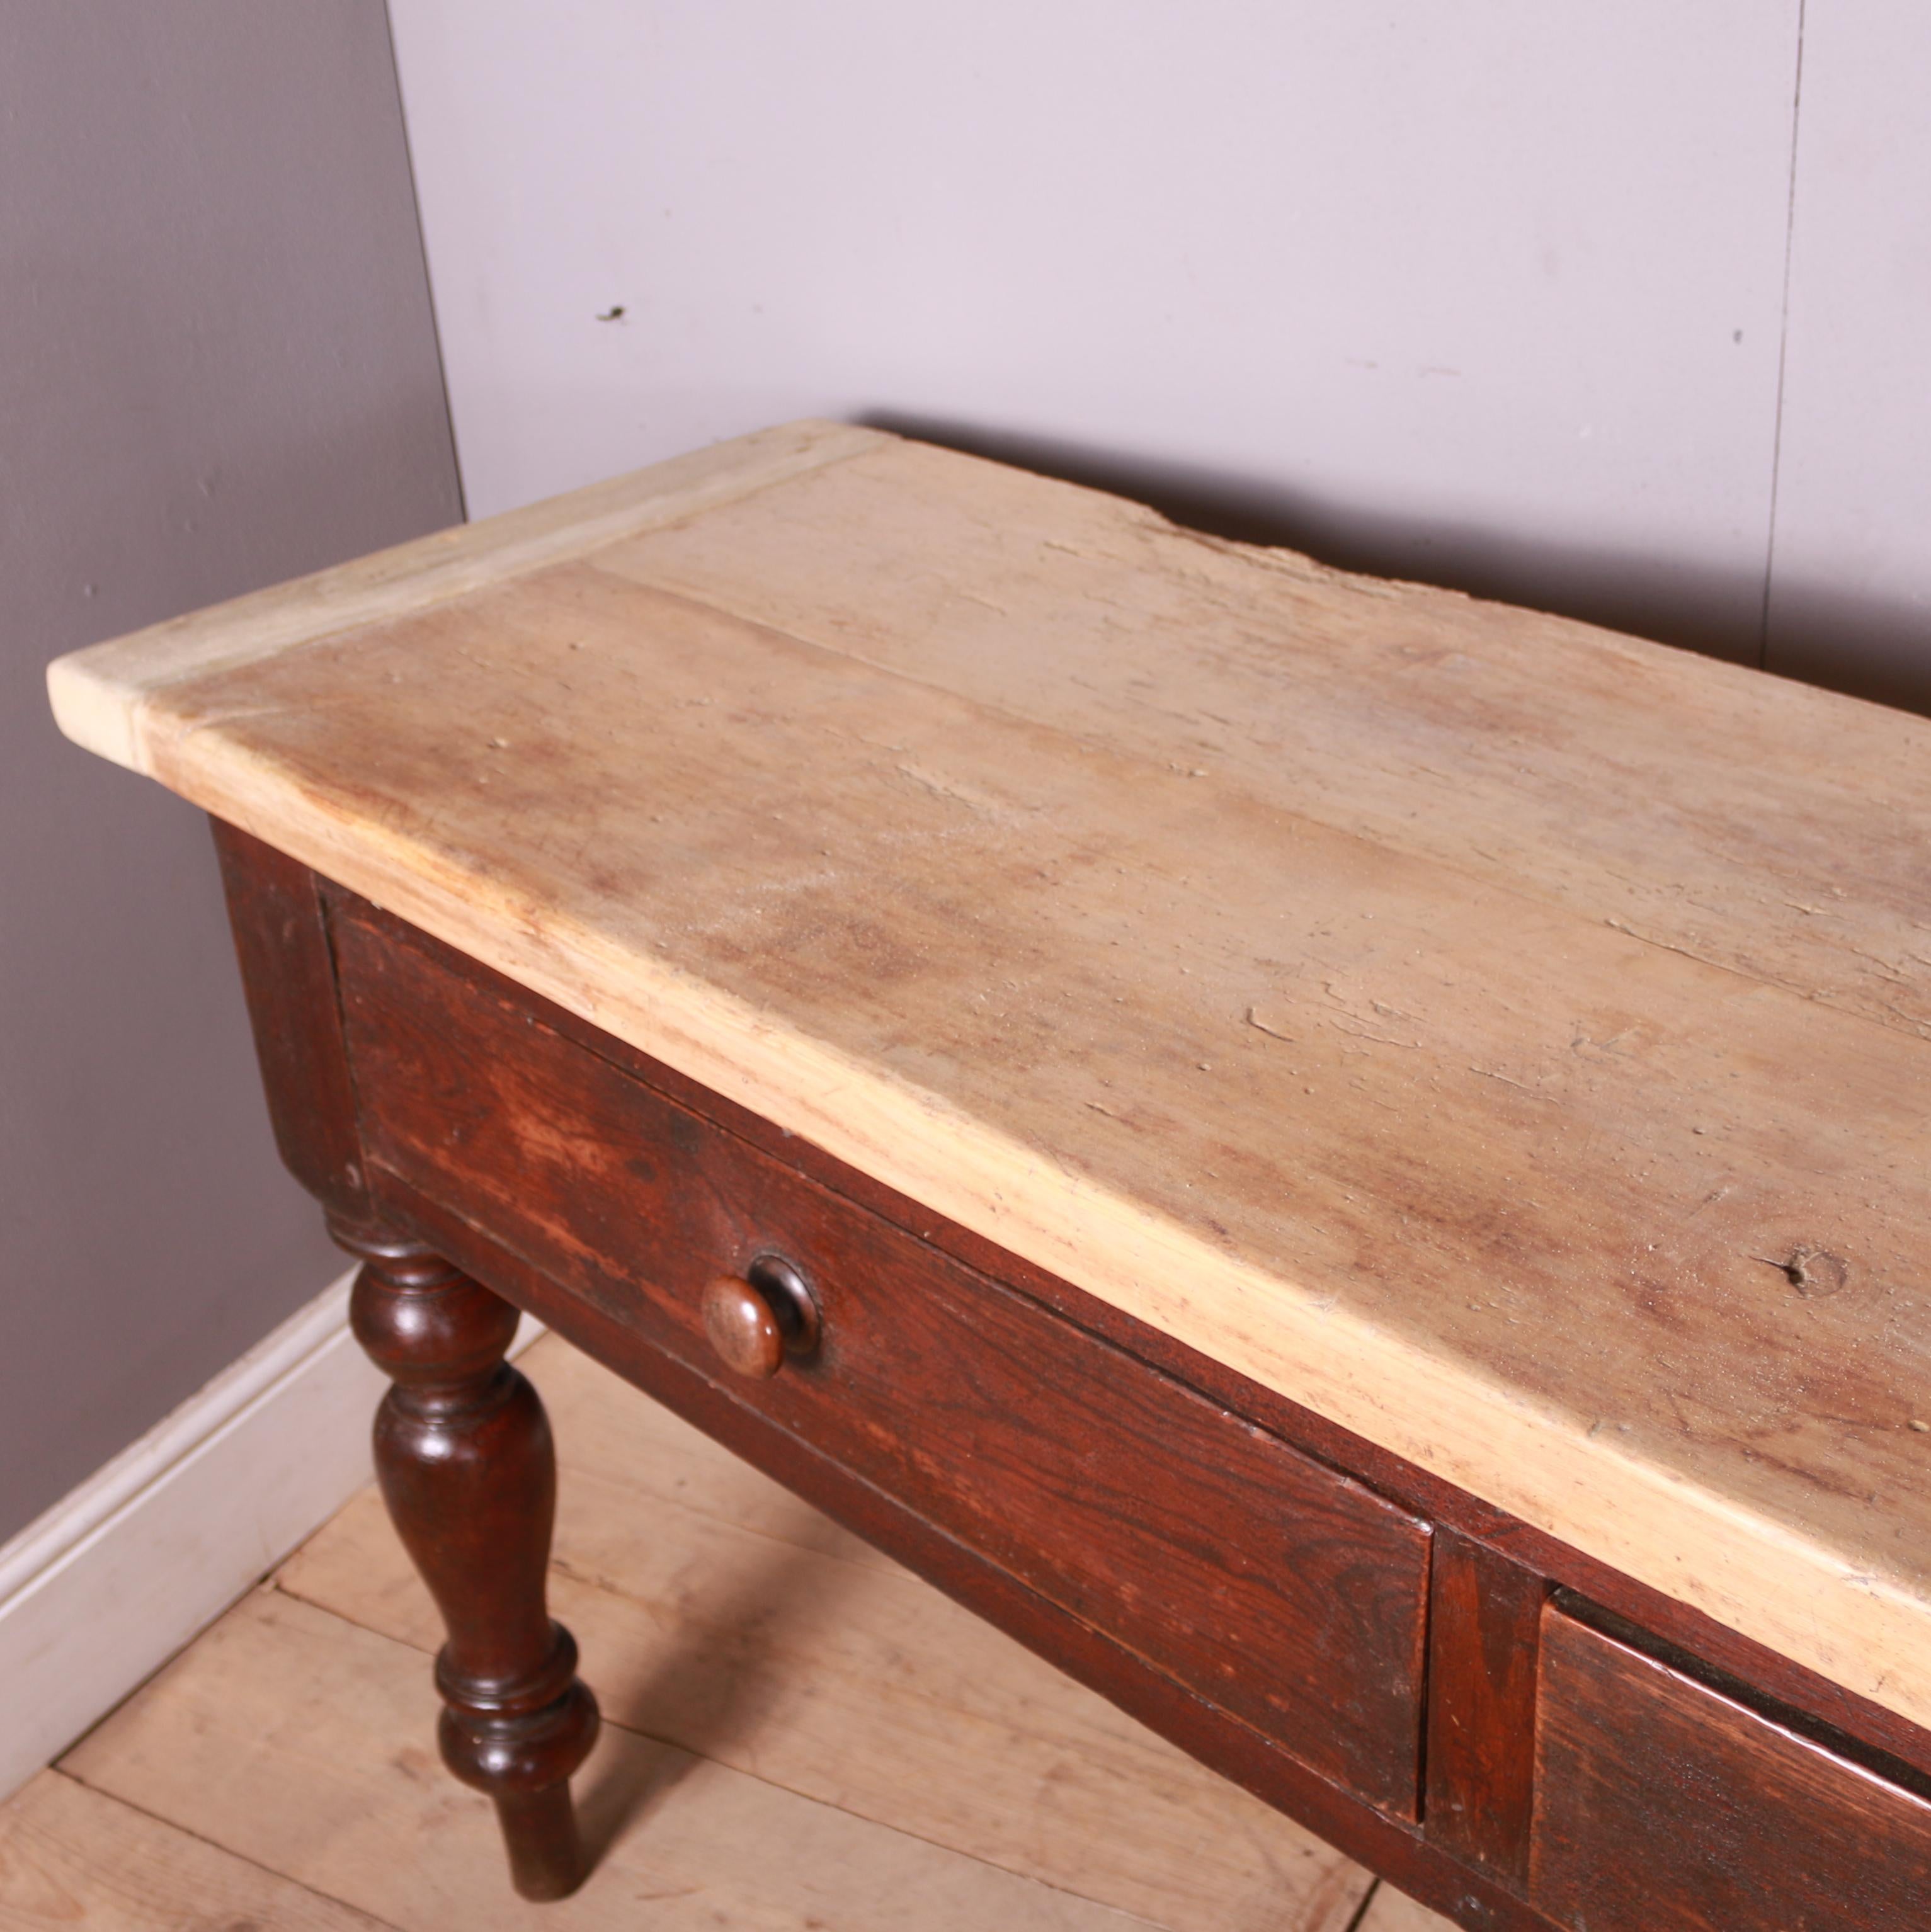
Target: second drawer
<point>1663,1801</point>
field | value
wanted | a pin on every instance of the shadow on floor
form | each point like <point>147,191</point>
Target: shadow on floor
<point>704,1693</point>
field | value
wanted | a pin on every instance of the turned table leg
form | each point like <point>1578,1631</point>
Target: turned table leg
<point>464,1455</point>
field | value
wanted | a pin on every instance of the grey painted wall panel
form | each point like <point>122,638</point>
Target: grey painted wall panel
<point>1851,589</point>
<point>1489,293</point>
<point>218,368</point>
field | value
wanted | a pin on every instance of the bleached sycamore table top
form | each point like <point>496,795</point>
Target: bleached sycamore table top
<point>1510,1040</point>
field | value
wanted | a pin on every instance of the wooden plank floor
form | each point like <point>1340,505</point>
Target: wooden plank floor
<point>798,1735</point>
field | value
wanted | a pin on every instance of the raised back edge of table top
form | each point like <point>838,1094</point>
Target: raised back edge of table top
<point>1802,1595</point>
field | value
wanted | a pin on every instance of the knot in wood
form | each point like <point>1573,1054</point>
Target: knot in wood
<point>1813,1272</point>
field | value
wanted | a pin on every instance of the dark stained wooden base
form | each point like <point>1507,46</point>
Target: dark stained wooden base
<point>464,1456</point>
<point>1399,1851</point>
<point>1450,1696</point>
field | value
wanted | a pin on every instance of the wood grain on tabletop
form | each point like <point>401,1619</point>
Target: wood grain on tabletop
<point>718,1612</point>
<point>74,1861</point>
<point>1505,1038</point>
<point>917,1768</point>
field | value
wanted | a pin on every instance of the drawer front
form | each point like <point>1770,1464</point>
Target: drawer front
<point>1662,1803</point>
<point>1285,1593</point>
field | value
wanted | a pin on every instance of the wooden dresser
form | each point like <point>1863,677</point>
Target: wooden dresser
<point>1351,1165</point>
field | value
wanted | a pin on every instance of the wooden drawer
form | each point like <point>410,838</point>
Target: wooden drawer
<point>1287,1594</point>
<point>1662,1802</point>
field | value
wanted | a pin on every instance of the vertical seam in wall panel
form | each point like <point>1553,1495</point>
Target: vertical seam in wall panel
<point>422,252</point>
<point>1782,344</point>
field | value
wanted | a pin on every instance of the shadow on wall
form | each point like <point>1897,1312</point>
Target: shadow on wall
<point>1865,646</point>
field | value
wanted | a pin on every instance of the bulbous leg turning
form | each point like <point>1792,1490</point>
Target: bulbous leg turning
<point>464,1455</point>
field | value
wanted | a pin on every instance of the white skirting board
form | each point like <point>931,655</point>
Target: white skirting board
<point>117,1576</point>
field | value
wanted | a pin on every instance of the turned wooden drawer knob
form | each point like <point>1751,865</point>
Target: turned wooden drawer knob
<point>760,1320</point>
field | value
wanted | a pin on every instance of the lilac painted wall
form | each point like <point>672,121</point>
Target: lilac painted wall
<point>1493,294</point>
<point>218,368</point>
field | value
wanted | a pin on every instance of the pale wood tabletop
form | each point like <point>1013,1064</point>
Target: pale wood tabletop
<point>1506,1038</point>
